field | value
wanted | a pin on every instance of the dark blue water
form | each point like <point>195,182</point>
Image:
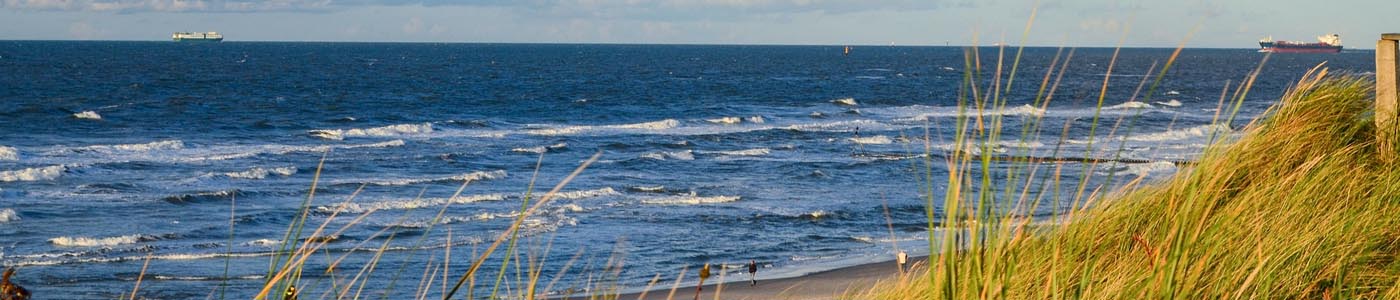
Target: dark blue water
<point>113,151</point>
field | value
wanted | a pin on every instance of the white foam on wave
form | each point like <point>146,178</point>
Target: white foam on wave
<point>924,113</point>
<point>473,176</point>
<point>7,215</point>
<point>260,173</point>
<point>690,199</point>
<point>382,131</point>
<point>568,130</point>
<point>64,241</point>
<point>1181,134</point>
<point>88,115</point>
<point>541,149</point>
<point>846,101</point>
<point>141,147</point>
<point>871,140</point>
<point>725,120</point>
<point>669,155</point>
<point>649,189</point>
<point>236,152</point>
<point>1152,167</point>
<point>9,153</point>
<point>355,208</point>
<point>263,243</point>
<point>33,174</point>
<point>1130,105</point>
<point>745,152</point>
<point>594,193</point>
<point>756,119</point>
<point>1170,103</point>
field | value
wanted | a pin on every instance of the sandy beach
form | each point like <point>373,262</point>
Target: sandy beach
<point>831,284</point>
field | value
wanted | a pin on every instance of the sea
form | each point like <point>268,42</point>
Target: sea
<point>183,165</point>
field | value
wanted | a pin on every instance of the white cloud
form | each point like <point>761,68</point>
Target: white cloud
<point>414,25</point>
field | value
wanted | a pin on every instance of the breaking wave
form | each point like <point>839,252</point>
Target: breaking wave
<point>1130,105</point>
<point>33,174</point>
<point>473,176</point>
<point>143,147</point>
<point>725,120</point>
<point>7,215</point>
<point>89,115</point>
<point>676,155</point>
<point>746,152</point>
<point>9,153</point>
<point>260,173</point>
<point>871,140</point>
<point>1198,131</point>
<point>607,191</point>
<point>691,199</point>
<point>568,130</point>
<point>846,101</point>
<point>541,149</point>
<point>1169,103</point>
<point>64,241</point>
<point>383,131</point>
<point>356,208</point>
<point>1152,167</point>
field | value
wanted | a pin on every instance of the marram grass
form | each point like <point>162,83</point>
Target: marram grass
<point>1301,206</point>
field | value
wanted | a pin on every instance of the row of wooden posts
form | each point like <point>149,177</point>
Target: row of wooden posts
<point>1387,130</point>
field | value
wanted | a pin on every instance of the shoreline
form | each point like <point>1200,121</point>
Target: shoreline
<point>823,285</point>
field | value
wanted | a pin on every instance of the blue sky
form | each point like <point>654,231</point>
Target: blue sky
<point>1228,24</point>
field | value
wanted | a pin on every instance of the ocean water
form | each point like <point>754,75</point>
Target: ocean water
<point>112,152</point>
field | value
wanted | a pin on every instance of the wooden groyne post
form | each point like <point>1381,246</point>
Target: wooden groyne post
<point>1386,114</point>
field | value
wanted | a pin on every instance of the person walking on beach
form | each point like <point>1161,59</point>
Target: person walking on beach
<point>902,259</point>
<point>10,290</point>
<point>704,274</point>
<point>753,273</point>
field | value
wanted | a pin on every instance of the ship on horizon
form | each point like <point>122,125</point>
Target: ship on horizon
<point>197,37</point>
<point>1330,43</point>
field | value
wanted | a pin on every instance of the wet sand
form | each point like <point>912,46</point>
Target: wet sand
<point>823,285</point>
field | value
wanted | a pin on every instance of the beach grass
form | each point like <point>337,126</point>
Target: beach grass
<point>1299,205</point>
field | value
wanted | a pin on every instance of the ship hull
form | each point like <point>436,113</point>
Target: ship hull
<point>1275,47</point>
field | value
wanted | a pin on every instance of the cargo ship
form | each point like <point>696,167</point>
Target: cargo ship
<point>1330,43</point>
<point>197,37</point>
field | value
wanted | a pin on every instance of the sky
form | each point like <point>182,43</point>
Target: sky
<point>1079,23</point>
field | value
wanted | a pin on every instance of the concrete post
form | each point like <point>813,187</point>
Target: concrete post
<point>1387,130</point>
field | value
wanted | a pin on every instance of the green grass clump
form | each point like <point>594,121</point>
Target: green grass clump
<point>1300,206</point>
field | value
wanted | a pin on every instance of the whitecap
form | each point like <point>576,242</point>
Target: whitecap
<point>1173,93</point>
<point>1169,103</point>
<point>90,115</point>
<point>1130,105</point>
<point>649,189</point>
<point>473,176</point>
<point>607,191</point>
<point>9,153</point>
<point>1179,134</point>
<point>746,152</point>
<point>64,241</point>
<point>691,199</point>
<point>568,130</point>
<point>845,101</point>
<point>260,173</point>
<point>666,155</point>
<point>725,120</point>
<point>1152,167</point>
<point>263,243</point>
<point>7,215</point>
<point>356,208</point>
<point>33,174</point>
<point>382,131</point>
<point>541,149</point>
<point>141,147</point>
<point>871,140</point>
<point>756,119</point>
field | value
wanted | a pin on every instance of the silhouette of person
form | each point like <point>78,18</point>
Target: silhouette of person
<point>10,290</point>
<point>753,273</point>
<point>902,259</point>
